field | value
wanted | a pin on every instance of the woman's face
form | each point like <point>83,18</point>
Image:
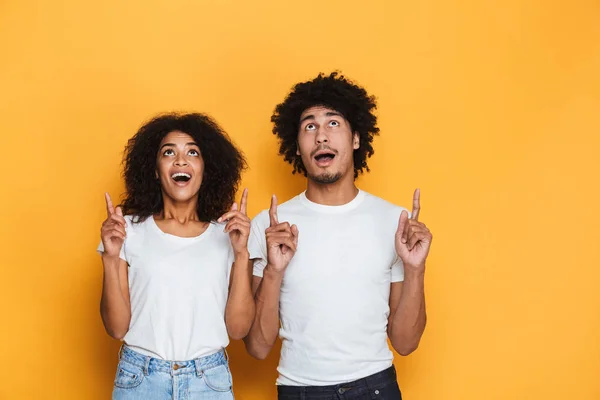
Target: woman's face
<point>179,167</point>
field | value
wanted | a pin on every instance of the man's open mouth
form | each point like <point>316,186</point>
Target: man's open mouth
<point>324,156</point>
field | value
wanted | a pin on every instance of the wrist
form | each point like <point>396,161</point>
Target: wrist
<point>273,272</point>
<point>242,254</point>
<point>414,271</point>
<point>110,260</point>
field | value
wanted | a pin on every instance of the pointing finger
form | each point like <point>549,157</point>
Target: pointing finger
<point>109,205</point>
<point>416,205</point>
<point>244,201</point>
<point>273,211</point>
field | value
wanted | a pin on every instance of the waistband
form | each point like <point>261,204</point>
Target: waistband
<point>371,381</point>
<point>197,366</point>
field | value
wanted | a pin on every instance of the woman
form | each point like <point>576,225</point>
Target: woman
<point>169,262</point>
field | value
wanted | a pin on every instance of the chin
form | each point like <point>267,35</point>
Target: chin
<point>326,178</point>
<point>180,196</point>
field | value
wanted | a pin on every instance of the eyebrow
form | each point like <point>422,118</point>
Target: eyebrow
<point>174,145</point>
<point>327,114</point>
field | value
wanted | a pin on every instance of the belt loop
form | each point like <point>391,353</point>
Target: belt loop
<point>147,365</point>
<point>226,354</point>
<point>121,351</point>
<point>198,367</point>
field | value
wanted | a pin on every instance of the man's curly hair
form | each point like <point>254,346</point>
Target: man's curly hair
<point>332,91</point>
<point>223,165</point>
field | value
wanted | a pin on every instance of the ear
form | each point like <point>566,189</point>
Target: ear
<point>297,148</point>
<point>355,141</point>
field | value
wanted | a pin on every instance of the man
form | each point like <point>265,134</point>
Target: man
<point>337,270</point>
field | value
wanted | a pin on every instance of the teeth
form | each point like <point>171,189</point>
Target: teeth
<point>175,175</point>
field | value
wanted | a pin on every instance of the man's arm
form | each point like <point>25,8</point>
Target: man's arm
<point>263,332</point>
<point>408,316</point>
<point>281,242</point>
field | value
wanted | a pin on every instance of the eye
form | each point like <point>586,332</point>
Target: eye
<point>334,123</point>
<point>310,127</point>
<point>169,152</point>
<point>193,153</point>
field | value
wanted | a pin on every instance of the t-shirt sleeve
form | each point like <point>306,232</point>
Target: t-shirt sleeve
<point>398,265</point>
<point>257,245</point>
<point>398,270</point>
<point>122,254</point>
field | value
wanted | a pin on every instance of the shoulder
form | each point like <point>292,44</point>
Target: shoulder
<point>135,221</point>
<point>218,231</point>
<point>261,218</point>
<point>136,226</point>
<point>382,207</point>
<point>292,206</point>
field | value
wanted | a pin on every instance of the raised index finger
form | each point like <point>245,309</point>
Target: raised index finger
<point>244,201</point>
<point>273,211</point>
<point>110,210</point>
<point>416,205</point>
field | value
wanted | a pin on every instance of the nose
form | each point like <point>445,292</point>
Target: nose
<point>321,137</point>
<point>180,161</point>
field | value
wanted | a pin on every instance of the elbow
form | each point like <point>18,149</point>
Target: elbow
<point>239,328</point>
<point>404,349</point>
<point>256,350</point>
<point>237,332</point>
<point>259,354</point>
<point>238,325</point>
<point>403,345</point>
<point>118,334</point>
<point>115,330</point>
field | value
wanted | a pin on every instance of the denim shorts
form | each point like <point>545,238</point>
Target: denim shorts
<point>140,377</point>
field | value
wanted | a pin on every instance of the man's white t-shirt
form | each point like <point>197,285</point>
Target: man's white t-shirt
<point>178,290</point>
<point>334,302</point>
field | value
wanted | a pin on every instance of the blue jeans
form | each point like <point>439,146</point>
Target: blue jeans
<point>140,377</point>
<point>382,386</point>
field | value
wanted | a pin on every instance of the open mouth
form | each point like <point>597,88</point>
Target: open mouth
<point>324,157</point>
<point>181,177</point>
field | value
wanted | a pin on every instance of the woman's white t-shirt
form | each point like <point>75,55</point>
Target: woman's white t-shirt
<point>178,290</point>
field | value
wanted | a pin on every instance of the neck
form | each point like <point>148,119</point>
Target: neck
<point>181,212</point>
<point>332,194</point>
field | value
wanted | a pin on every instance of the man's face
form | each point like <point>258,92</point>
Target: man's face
<point>326,144</point>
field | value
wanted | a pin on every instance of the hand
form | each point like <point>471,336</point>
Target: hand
<point>282,240</point>
<point>238,225</point>
<point>113,229</point>
<point>413,238</point>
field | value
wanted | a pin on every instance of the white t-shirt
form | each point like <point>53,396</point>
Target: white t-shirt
<point>334,302</point>
<point>178,290</point>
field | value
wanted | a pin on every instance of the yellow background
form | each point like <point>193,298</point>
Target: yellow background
<point>491,108</point>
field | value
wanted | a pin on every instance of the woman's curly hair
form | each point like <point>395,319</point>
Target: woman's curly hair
<point>223,165</point>
<point>338,93</point>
